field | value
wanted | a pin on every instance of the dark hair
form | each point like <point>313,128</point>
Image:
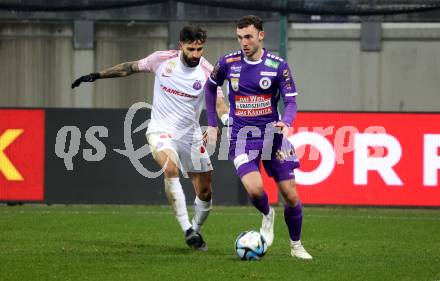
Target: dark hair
<point>250,20</point>
<point>192,33</point>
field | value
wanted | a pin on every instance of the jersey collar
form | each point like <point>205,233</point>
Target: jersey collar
<point>257,61</point>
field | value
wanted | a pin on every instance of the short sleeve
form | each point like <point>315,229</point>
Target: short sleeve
<point>207,69</point>
<point>218,74</point>
<point>152,62</point>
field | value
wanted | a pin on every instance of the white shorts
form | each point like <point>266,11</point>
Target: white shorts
<point>191,155</point>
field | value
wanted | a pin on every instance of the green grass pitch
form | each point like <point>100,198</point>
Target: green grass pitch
<point>39,242</point>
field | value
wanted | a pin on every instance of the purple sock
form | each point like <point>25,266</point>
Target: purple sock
<point>293,219</point>
<point>262,203</point>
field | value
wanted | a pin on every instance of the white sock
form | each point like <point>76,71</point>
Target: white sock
<point>176,197</point>
<point>201,212</point>
<point>295,243</point>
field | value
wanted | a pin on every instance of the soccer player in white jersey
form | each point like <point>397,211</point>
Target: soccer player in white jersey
<point>174,133</point>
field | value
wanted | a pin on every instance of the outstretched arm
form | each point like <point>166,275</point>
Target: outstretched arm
<point>119,70</point>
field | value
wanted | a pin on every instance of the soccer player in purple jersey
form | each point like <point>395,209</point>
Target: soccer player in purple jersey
<point>257,80</point>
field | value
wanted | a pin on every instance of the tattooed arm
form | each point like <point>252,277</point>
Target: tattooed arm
<point>119,70</point>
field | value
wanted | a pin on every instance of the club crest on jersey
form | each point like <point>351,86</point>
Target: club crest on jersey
<point>197,85</point>
<point>234,84</point>
<point>169,69</point>
<point>265,83</point>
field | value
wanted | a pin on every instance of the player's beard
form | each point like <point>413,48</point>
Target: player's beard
<point>251,52</point>
<point>190,62</point>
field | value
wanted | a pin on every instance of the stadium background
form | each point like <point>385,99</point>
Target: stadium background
<point>347,56</point>
<point>88,214</point>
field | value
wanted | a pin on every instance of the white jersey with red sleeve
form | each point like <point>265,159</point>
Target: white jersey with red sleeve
<point>178,93</point>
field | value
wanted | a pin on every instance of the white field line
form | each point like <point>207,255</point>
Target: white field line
<point>245,213</point>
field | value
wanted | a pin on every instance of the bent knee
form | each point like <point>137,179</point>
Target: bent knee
<point>205,193</point>
<point>171,171</point>
<point>292,199</point>
<point>255,193</point>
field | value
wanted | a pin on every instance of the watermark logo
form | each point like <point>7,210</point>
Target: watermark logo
<point>135,155</point>
<point>318,138</point>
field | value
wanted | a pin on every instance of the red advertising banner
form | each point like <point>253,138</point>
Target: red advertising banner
<point>387,159</point>
<point>21,155</point>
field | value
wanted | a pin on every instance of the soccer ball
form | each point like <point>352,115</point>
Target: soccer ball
<point>250,245</point>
